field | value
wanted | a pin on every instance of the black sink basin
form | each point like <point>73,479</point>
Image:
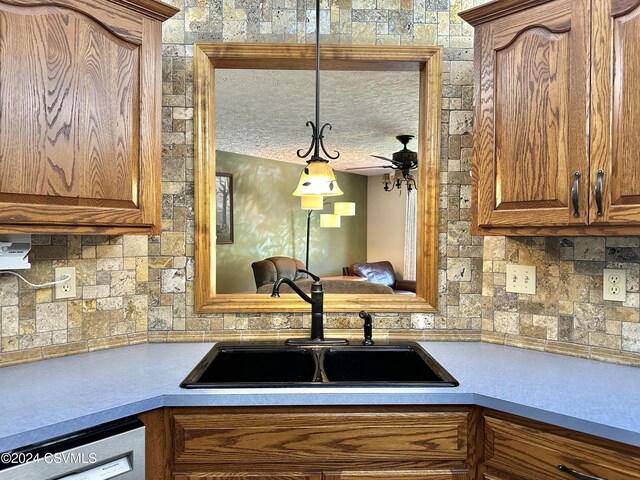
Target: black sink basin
<point>384,364</point>
<point>238,366</point>
<point>269,365</point>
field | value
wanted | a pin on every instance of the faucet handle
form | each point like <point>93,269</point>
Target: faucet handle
<point>368,328</point>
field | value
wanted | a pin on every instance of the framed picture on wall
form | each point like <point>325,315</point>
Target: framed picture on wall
<point>224,208</point>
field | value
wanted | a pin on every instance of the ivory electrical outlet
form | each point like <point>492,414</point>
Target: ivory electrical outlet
<point>68,288</point>
<point>614,284</point>
<point>521,279</point>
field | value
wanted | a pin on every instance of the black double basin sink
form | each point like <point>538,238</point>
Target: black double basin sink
<point>277,365</point>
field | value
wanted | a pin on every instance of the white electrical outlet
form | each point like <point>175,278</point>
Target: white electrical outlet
<point>68,288</point>
<point>521,279</point>
<point>614,284</point>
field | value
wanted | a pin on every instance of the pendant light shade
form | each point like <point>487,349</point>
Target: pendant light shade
<point>312,202</point>
<point>317,178</point>
<point>329,220</point>
<point>345,209</point>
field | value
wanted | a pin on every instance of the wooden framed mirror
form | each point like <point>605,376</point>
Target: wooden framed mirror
<point>209,57</point>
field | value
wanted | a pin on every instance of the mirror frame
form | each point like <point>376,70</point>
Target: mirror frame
<point>209,56</point>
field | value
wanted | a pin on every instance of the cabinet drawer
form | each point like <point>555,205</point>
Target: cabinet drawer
<point>398,475</point>
<point>534,452</point>
<point>279,438</point>
<point>248,475</point>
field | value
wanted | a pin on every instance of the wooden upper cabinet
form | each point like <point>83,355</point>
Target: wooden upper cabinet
<point>531,111</point>
<point>615,110</point>
<point>555,109</point>
<point>80,93</point>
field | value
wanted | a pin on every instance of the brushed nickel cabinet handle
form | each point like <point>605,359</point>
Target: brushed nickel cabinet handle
<point>579,476</point>
<point>599,178</point>
<point>574,194</point>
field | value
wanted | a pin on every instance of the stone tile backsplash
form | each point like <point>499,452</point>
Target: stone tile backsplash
<point>135,289</point>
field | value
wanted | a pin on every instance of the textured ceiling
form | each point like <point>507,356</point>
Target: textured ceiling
<point>262,113</point>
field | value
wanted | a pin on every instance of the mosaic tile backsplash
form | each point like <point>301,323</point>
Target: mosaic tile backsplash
<point>136,289</point>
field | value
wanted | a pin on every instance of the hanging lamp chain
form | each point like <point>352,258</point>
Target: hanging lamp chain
<point>317,133</point>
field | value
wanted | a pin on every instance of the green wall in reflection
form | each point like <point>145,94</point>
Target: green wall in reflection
<point>268,221</point>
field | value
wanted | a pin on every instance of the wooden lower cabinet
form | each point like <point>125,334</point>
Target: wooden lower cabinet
<point>248,475</point>
<point>373,443</point>
<point>330,443</point>
<point>384,475</point>
<point>397,475</point>
<point>520,449</point>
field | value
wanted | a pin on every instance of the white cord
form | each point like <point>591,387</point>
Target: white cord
<point>65,278</point>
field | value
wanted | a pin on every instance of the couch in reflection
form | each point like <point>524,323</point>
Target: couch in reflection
<point>267,271</point>
<point>381,273</point>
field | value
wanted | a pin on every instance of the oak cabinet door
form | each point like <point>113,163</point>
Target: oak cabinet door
<point>248,476</point>
<point>531,116</point>
<point>615,112</point>
<point>397,475</point>
<point>531,453</point>
<point>79,118</point>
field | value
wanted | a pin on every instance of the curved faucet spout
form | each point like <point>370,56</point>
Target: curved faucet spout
<point>276,289</point>
<point>317,311</point>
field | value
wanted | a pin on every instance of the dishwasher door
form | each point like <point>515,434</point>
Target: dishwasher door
<point>113,450</point>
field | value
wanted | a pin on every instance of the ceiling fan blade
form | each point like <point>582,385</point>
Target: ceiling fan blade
<point>368,168</point>
<point>387,159</point>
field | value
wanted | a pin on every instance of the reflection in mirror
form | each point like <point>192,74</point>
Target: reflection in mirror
<point>371,95</point>
<point>260,123</point>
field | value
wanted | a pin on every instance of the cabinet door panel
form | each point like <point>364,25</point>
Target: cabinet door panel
<point>530,135</point>
<point>76,98</point>
<point>248,475</point>
<point>319,438</point>
<point>532,454</point>
<point>398,474</point>
<point>615,144</point>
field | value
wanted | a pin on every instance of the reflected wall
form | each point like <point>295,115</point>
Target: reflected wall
<point>268,221</point>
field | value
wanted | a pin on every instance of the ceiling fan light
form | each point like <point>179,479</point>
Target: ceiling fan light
<point>318,178</point>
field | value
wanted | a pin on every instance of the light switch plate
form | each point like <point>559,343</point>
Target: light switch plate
<point>521,279</point>
<point>614,284</point>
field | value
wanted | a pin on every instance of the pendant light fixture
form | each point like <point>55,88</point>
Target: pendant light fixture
<point>317,178</point>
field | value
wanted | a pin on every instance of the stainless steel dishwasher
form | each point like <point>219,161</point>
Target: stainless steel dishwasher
<point>111,450</point>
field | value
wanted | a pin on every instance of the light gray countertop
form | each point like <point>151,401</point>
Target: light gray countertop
<point>55,397</point>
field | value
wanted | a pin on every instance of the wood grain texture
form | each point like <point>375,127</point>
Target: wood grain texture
<point>271,443</point>
<point>294,438</point>
<point>151,8</point>
<point>72,116</point>
<point>533,451</point>
<point>530,116</point>
<point>497,9</point>
<point>587,230</point>
<point>531,121</point>
<point>56,106</point>
<point>615,147</point>
<point>209,57</point>
<point>535,200</point>
<point>249,475</point>
<point>399,475</point>
<point>158,444</point>
<point>118,20</point>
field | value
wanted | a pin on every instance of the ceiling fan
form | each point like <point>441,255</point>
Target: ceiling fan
<point>402,161</point>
